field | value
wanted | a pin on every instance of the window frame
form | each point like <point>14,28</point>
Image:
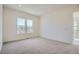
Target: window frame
<point>25,29</point>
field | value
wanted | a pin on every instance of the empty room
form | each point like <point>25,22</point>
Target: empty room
<point>39,29</point>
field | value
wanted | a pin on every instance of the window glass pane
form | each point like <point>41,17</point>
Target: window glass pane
<point>29,25</point>
<point>20,25</point>
<point>75,28</point>
<point>20,21</point>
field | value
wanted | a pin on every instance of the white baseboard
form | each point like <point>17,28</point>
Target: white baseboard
<point>55,40</point>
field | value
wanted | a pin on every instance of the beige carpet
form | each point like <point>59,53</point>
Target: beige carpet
<point>39,46</point>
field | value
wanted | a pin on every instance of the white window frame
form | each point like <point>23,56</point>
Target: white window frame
<point>25,29</point>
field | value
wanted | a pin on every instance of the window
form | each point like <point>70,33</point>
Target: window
<point>29,26</point>
<point>20,25</point>
<point>76,25</point>
<point>23,25</point>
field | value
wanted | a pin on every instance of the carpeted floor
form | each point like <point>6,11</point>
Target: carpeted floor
<point>39,46</point>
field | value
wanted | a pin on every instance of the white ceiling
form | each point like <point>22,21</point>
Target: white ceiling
<point>38,9</point>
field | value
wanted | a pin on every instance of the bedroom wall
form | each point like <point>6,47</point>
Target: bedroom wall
<point>57,25</point>
<point>10,17</point>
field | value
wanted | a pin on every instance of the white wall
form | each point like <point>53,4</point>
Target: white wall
<point>57,25</point>
<point>10,29</point>
<point>0,26</point>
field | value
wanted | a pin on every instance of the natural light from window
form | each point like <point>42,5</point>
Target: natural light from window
<point>20,25</point>
<point>24,26</point>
